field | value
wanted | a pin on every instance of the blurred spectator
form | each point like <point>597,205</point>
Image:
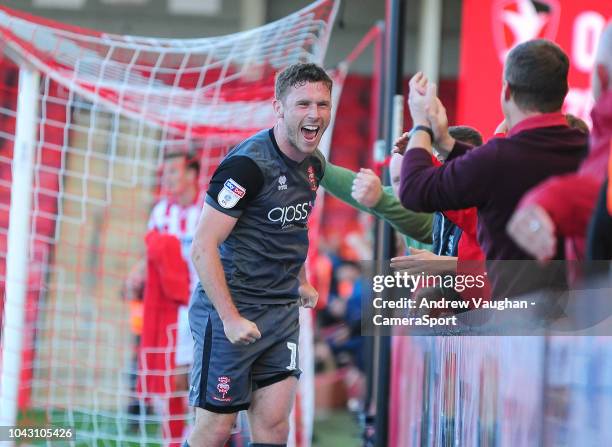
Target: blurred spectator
<point>539,145</point>
<point>599,246</point>
<point>576,123</point>
<point>166,328</point>
<point>454,232</point>
<point>340,344</point>
<point>562,206</point>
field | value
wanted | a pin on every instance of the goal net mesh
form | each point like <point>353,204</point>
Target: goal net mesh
<point>109,107</point>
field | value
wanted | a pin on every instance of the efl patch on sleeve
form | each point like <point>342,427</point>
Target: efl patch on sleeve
<point>230,194</point>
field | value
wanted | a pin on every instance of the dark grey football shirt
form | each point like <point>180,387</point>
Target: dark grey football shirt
<point>272,197</point>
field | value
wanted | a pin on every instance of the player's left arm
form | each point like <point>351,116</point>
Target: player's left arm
<point>234,184</point>
<point>308,294</point>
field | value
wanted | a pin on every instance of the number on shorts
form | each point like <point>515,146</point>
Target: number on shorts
<point>293,348</point>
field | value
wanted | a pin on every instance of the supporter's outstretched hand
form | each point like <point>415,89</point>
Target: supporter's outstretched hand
<point>367,188</point>
<point>534,231</point>
<point>438,121</point>
<point>418,83</point>
<point>240,331</point>
<point>420,98</point>
<point>419,261</point>
<point>400,145</point>
<point>308,295</point>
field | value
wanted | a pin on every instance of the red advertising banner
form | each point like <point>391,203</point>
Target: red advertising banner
<point>490,28</point>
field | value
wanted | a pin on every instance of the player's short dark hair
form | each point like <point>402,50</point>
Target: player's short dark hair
<point>576,123</point>
<point>297,75</point>
<point>466,134</point>
<point>192,162</point>
<point>536,72</point>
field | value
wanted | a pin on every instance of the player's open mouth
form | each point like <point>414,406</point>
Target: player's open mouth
<point>310,132</point>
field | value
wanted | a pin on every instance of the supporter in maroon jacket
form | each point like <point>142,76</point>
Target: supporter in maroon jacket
<point>562,206</point>
<point>494,177</point>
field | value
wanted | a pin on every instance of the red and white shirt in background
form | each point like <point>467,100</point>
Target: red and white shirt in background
<point>181,221</point>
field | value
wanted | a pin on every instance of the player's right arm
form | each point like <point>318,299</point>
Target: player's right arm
<point>236,182</point>
<point>213,228</point>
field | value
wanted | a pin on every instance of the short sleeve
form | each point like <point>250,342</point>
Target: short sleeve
<point>235,183</point>
<point>157,212</point>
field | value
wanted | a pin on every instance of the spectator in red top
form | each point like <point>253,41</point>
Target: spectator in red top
<point>599,247</point>
<point>470,257</point>
<point>562,206</point>
<point>466,246</point>
<point>494,176</point>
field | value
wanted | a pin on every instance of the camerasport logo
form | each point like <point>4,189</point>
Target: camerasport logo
<point>223,387</point>
<point>517,21</point>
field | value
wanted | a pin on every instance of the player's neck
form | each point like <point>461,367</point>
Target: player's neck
<point>285,145</point>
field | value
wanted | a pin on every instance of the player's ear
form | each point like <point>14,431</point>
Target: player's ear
<point>506,91</point>
<point>278,108</point>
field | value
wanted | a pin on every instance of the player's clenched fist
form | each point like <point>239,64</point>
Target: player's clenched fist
<point>308,295</point>
<point>367,188</point>
<point>241,331</point>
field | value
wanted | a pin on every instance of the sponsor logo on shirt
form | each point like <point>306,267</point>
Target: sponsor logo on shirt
<point>287,215</point>
<point>282,183</point>
<point>230,194</point>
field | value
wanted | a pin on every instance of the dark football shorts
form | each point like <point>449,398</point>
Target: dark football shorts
<point>224,375</point>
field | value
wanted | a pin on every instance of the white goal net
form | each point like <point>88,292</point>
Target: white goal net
<point>85,118</point>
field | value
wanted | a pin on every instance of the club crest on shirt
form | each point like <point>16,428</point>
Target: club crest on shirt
<point>312,179</point>
<point>230,194</point>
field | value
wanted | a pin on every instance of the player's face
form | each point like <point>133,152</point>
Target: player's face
<point>174,176</point>
<point>306,111</point>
